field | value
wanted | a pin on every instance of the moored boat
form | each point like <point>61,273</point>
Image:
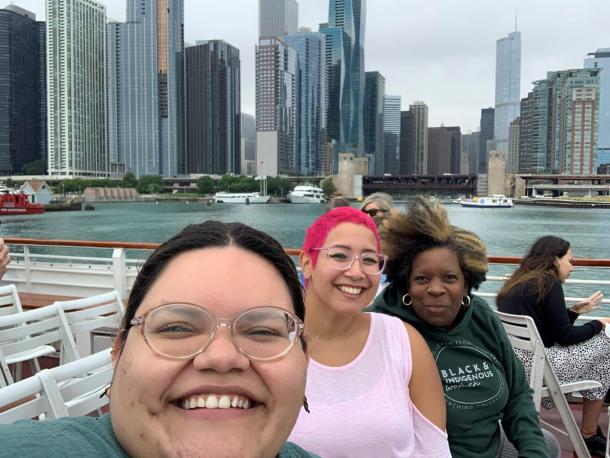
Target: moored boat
<point>240,198</point>
<point>306,194</point>
<point>493,201</point>
<point>18,204</point>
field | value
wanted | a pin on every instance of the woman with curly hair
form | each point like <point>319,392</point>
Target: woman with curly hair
<point>575,352</point>
<point>433,268</point>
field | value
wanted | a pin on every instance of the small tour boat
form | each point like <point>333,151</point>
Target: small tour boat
<point>240,198</point>
<point>493,201</point>
<point>18,204</point>
<point>306,194</point>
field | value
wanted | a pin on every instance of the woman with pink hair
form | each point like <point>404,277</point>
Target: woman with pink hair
<point>372,386</point>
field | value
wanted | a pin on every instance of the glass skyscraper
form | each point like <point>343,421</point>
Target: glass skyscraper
<point>601,59</point>
<point>76,88</point>
<point>23,117</point>
<point>146,121</point>
<point>374,99</point>
<point>348,16</point>
<point>277,17</point>
<point>313,100</point>
<point>391,133</point>
<point>508,85</point>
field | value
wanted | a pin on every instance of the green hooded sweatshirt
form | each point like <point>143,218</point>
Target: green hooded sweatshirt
<point>482,379</point>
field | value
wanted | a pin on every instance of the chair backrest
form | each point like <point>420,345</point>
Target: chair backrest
<point>523,335</point>
<point>90,313</point>
<point>26,332</point>
<point>9,300</point>
<point>72,389</point>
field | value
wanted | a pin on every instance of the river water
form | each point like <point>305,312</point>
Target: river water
<point>505,231</point>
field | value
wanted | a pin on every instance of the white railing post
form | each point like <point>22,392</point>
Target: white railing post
<point>27,268</point>
<point>119,271</point>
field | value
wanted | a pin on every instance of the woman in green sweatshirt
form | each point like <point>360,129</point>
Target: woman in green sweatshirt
<point>432,269</point>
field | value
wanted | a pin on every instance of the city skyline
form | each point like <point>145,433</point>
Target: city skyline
<point>447,52</point>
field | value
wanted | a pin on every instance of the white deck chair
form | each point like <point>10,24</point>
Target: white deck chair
<point>90,313</point>
<point>523,334</point>
<point>26,336</point>
<point>9,300</point>
<point>73,389</point>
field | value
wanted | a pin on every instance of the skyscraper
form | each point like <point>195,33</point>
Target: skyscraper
<point>391,132</point>
<point>512,157</point>
<point>146,93</point>
<point>456,149</point>
<point>248,144</point>
<point>276,107</point>
<point>23,115</point>
<point>213,108</point>
<point>486,134</point>
<point>405,153</point>
<point>76,88</point>
<point>313,100</point>
<point>601,59</point>
<point>439,150</point>
<point>470,153</point>
<point>508,85</point>
<point>349,17</point>
<point>420,138</point>
<point>277,17</point>
<point>374,94</point>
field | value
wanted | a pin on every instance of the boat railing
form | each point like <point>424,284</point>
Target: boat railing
<point>83,268</point>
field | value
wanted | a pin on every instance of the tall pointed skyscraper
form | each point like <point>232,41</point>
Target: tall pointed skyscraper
<point>346,23</point>
<point>508,85</point>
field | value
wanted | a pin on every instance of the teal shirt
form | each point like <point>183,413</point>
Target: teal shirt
<point>77,437</point>
<point>483,380</point>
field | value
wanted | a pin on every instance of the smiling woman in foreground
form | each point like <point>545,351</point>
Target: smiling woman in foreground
<point>432,269</point>
<point>210,360</point>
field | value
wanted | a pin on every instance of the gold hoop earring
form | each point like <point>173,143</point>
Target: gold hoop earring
<point>404,300</point>
<point>466,300</point>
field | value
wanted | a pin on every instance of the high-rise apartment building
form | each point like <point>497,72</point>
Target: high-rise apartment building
<point>276,107</point>
<point>419,137</point>
<point>146,93</point>
<point>346,24</point>
<point>405,153</point>
<point>248,144</point>
<point>601,59</point>
<point>76,111</point>
<point>439,150</point>
<point>508,85</point>
<point>456,149</point>
<point>313,101</point>
<point>391,133</point>
<point>277,17</point>
<point>213,108</point>
<point>374,99</point>
<point>512,156</point>
<point>470,153</point>
<point>486,133</point>
<point>23,116</point>
<point>533,130</point>
<point>574,120</point>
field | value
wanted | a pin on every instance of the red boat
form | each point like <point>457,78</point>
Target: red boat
<point>18,204</point>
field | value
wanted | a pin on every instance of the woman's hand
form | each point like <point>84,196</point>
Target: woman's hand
<point>589,304</point>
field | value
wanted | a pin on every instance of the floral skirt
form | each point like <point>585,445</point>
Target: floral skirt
<point>588,360</point>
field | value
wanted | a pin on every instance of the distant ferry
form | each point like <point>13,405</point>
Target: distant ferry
<point>493,201</point>
<point>240,198</point>
<point>306,194</point>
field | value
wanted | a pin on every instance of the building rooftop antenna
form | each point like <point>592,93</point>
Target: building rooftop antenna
<point>515,20</point>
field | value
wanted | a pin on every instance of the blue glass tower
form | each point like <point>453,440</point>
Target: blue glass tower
<point>349,17</point>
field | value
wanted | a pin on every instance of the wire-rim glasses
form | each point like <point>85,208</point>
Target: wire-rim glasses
<point>183,330</point>
<point>340,258</point>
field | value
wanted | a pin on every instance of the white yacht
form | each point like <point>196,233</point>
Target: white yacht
<point>493,201</point>
<point>306,194</point>
<point>240,198</point>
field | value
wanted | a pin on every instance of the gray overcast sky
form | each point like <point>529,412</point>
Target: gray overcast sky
<point>438,51</point>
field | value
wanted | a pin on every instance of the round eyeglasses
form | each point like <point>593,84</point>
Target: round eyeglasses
<point>342,259</point>
<point>182,331</point>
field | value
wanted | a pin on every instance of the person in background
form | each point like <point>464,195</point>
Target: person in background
<point>210,360</point>
<point>433,268</point>
<point>378,206</point>
<point>575,352</point>
<point>5,258</point>
<point>372,386</point>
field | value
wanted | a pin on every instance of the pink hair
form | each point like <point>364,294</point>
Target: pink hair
<point>320,228</point>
